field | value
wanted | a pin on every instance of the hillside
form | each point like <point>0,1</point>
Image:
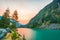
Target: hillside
<point>48,15</point>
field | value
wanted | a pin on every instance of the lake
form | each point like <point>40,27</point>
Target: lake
<point>37,34</point>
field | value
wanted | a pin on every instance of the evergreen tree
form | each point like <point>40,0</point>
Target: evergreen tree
<point>15,15</point>
<point>5,21</point>
<point>15,18</point>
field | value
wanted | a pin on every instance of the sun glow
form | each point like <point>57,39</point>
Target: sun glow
<point>27,9</point>
<point>28,33</point>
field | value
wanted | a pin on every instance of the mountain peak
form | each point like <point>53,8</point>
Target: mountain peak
<point>48,15</point>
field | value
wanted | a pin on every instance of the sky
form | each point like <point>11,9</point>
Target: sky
<point>27,9</point>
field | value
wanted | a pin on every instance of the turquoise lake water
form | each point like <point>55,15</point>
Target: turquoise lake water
<point>45,34</point>
<point>37,34</point>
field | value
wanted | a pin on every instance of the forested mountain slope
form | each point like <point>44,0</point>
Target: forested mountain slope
<point>48,15</point>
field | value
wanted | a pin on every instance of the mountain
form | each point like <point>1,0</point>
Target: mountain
<point>50,14</point>
<point>11,20</point>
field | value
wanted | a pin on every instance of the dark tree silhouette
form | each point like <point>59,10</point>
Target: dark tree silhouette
<point>5,21</point>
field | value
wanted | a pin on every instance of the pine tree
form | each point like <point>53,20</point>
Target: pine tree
<point>15,15</point>
<point>15,18</point>
<point>5,21</point>
<point>6,14</point>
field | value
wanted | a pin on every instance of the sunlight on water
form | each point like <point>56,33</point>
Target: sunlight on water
<point>29,33</point>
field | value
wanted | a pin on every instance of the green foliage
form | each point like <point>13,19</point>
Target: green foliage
<point>49,14</point>
<point>5,20</point>
<point>13,26</point>
<point>14,35</point>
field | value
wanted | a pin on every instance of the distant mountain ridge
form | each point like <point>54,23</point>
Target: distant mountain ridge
<point>49,14</point>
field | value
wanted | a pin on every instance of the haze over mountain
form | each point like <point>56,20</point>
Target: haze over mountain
<point>27,9</point>
<point>48,15</point>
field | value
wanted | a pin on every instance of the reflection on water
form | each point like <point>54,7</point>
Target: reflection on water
<point>37,34</point>
<point>29,33</point>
